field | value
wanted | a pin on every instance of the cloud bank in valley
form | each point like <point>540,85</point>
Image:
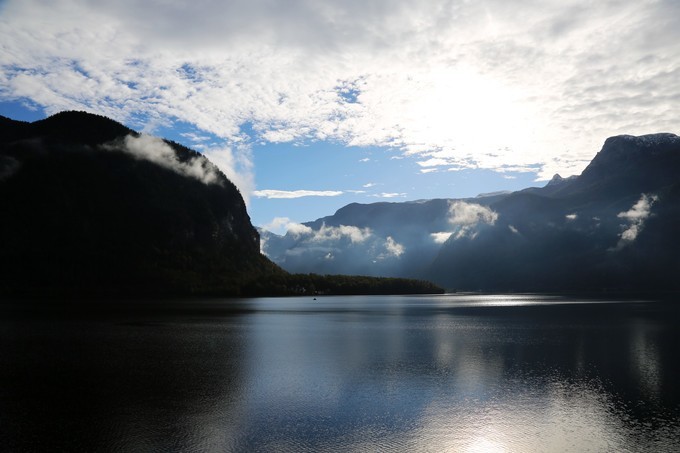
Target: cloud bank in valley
<point>457,84</point>
<point>326,233</point>
<point>349,247</point>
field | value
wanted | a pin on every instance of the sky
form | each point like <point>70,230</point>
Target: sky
<point>308,105</point>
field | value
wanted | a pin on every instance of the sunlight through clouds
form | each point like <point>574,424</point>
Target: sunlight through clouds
<point>455,84</point>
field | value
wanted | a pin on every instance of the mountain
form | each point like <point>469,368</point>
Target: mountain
<point>612,227</point>
<point>89,207</point>
<point>381,239</point>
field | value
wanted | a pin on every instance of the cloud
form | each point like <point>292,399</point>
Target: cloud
<point>571,217</point>
<point>324,235</point>
<point>636,217</point>
<point>154,149</point>
<point>194,137</point>
<point>470,214</point>
<point>356,235</point>
<point>298,229</point>
<point>287,194</point>
<point>458,84</point>
<point>513,229</point>
<point>466,217</point>
<point>640,210</point>
<point>441,237</point>
<point>393,248</point>
<point>282,225</point>
<point>389,195</point>
<point>237,164</point>
<point>276,223</point>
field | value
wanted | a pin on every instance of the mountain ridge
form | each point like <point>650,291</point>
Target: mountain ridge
<point>83,214</point>
<point>609,227</point>
<point>90,208</point>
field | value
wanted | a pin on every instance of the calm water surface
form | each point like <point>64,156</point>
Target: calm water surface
<point>442,373</point>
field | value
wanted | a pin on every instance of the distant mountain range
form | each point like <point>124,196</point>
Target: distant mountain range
<point>89,207</point>
<point>614,227</point>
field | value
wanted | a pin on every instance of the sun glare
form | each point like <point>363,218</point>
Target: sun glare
<point>472,113</point>
<point>485,445</point>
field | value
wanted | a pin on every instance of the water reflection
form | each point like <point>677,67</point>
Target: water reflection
<point>473,373</point>
<point>464,377</point>
<point>117,383</point>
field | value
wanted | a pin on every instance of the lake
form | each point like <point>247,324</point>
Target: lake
<point>473,373</point>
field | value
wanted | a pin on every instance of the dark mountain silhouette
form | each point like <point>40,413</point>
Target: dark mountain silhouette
<point>613,227</point>
<point>90,207</point>
<point>82,215</point>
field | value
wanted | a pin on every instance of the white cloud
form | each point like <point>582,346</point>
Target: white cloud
<point>236,163</point>
<point>470,214</point>
<point>329,233</point>
<point>298,229</point>
<point>194,137</point>
<point>636,217</point>
<point>571,217</point>
<point>488,85</point>
<point>282,225</point>
<point>466,217</point>
<point>640,210</point>
<point>513,229</point>
<point>393,248</point>
<point>263,246</point>
<point>276,224</point>
<point>389,195</point>
<point>270,193</point>
<point>440,237</point>
<point>435,162</point>
<point>154,149</point>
